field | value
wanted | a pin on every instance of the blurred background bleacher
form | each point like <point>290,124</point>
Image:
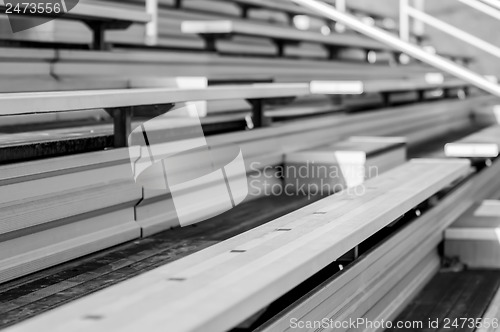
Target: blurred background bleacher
<point>57,56</point>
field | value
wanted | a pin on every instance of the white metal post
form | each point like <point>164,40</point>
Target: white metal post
<point>404,20</point>
<point>340,5</point>
<point>419,26</point>
<point>152,26</point>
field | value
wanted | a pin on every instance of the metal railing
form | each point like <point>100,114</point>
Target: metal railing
<point>401,44</point>
<point>492,3</point>
<point>407,12</point>
<point>484,8</point>
<point>338,13</point>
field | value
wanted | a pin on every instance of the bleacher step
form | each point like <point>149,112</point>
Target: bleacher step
<point>474,238</point>
<point>291,249</point>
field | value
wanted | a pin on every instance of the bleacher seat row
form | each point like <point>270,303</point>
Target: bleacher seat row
<point>269,260</point>
<point>118,102</point>
<point>101,16</point>
<point>146,208</point>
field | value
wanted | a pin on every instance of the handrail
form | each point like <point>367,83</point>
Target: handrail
<point>492,3</point>
<point>485,9</point>
<point>407,11</point>
<point>403,46</point>
<point>457,33</point>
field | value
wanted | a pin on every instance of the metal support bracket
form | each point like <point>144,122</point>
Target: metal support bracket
<point>122,125</point>
<point>282,43</point>
<point>333,52</point>
<point>99,29</point>
<point>245,9</point>
<point>122,119</point>
<point>211,40</point>
<point>258,109</point>
<point>258,117</point>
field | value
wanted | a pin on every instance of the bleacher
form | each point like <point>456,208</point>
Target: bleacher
<point>94,107</point>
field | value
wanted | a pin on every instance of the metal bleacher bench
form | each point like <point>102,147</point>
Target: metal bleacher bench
<point>211,31</point>
<point>230,281</point>
<point>483,144</point>
<point>292,10</point>
<point>266,146</point>
<point>246,5</point>
<point>281,36</point>
<point>384,86</point>
<point>98,16</point>
<point>119,103</point>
